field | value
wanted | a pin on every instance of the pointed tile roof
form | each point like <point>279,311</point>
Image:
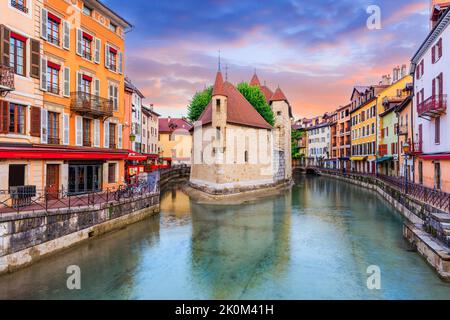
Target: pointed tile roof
<point>255,81</point>
<point>218,85</point>
<point>267,93</point>
<point>278,96</point>
<point>239,110</point>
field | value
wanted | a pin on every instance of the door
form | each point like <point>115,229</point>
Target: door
<point>53,181</point>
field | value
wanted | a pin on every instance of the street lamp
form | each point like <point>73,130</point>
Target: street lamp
<point>406,149</point>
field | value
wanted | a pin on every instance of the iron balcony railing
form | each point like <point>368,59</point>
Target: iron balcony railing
<point>53,39</point>
<point>433,107</point>
<point>54,139</point>
<point>53,88</point>
<point>6,79</point>
<point>90,104</point>
<point>19,6</point>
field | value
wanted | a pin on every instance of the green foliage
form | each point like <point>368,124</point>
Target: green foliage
<point>199,103</point>
<point>256,98</point>
<point>296,136</point>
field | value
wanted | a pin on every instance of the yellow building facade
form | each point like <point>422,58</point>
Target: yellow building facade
<point>175,141</point>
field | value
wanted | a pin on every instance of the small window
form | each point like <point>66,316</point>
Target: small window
<point>87,11</point>
<point>112,27</point>
<point>111,173</point>
<point>278,113</point>
<point>16,175</point>
<point>218,105</point>
<point>218,135</point>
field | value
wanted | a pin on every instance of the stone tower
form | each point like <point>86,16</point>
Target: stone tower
<point>282,136</point>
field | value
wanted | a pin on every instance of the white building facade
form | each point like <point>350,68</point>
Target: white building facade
<point>318,144</point>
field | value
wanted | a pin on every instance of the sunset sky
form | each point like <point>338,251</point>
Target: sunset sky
<point>314,50</point>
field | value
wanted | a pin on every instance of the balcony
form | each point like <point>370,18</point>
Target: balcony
<point>53,139</point>
<point>19,6</point>
<point>6,80</point>
<point>417,148</point>
<point>89,104</point>
<point>433,107</point>
<point>402,130</point>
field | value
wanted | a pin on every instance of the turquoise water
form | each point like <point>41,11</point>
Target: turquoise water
<point>315,241</point>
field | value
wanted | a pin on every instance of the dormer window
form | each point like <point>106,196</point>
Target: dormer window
<point>218,105</point>
<point>112,27</point>
<point>87,11</point>
<point>20,5</point>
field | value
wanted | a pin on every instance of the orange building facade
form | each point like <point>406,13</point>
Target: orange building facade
<point>75,134</point>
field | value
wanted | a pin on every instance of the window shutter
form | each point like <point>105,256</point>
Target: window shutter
<point>119,136</point>
<point>106,134</point>
<point>66,35</point>
<point>107,57</point>
<point>78,131</point>
<point>438,130</point>
<point>4,45</point>
<point>79,81</point>
<point>35,122</point>
<point>66,75</point>
<point>79,40</point>
<point>44,23</point>
<point>120,55</point>
<point>440,48</point>
<point>4,116</point>
<point>116,98</point>
<point>66,129</point>
<point>97,87</point>
<point>35,71</point>
<point>441,83</point>
<point>44,124</point>
<point>98,45</point>
<point>44,74</point>
<point>433,86</point>
<point>97,133</point>
<point>433,54</point>
<point>422,68</point>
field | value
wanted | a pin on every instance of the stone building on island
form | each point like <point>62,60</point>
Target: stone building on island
<point>234,148</point>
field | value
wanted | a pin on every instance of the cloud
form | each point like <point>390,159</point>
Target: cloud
<point>315,50</point>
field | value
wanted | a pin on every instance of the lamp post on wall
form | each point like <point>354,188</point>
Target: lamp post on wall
<point>406,149</point>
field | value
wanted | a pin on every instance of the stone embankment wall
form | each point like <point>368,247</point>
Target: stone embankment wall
<point>28,237</point>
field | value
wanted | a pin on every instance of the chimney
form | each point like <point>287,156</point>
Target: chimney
<point>403,70</point>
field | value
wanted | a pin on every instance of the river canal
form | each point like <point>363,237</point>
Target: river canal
<point>315,241</point>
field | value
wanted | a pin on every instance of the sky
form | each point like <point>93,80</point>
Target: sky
<point>316,51</point>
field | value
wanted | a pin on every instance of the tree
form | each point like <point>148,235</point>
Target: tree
<point>296,136</point>
<point>256,98</point>
<point>199,103</point>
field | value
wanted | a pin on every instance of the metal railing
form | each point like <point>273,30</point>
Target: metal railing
<point>19,6</point>
<point>91,104</point>
<point>432,107</point>
<point>432,197</point>
<point>6,78</point>
<point>53,88</point>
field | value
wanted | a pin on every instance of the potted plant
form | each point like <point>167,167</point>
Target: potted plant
<point>132,137</point>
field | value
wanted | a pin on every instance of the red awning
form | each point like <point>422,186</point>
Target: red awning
<point>134,156</point>
<point>436,157</point>
<point>54,65</point>
<point>87,36</point>
<point>87,78</point>
<point>111,49</point>
<point>59,154</point>
<point>152,156</point>
<point>54,18</point>
<point>18,37</point>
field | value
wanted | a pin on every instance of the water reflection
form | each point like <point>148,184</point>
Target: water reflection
<point>233,247</point>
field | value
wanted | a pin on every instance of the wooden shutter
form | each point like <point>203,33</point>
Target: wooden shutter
<point>422,68</point>
<point>44,126</point>
<point>116,98</point>
<point>4,116</point>
<point>79,131</point>
<point>120,57</point>
<point>66,86</point>
<point>44,23</point>
<point>441,84</point>
<point>97,133</point>
<point>107,56</point>
<point>79,40</point>
<point>433,54</point>
<point>66,35</point>
<point>44,74</point>
<point>35,122</point>
<point>440,48</point>
<point>98,47</point>
<point>433,87</point>
<point>106,134</point>
<point>79,81</point>
<point>35,71</point>
<point>66,129</point>
<point>119,136</point>
<point>437,135</point>
<point>97,87</point>
<point>5,38</point>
